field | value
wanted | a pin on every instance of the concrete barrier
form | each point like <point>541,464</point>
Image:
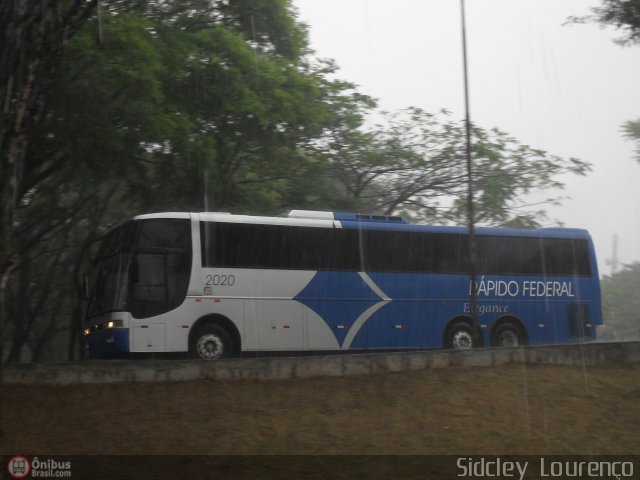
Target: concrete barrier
<point>279,368</point>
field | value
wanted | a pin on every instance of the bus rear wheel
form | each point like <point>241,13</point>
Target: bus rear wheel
<point>210,342</point>
<point>461,337</point>
<point>508,336</point>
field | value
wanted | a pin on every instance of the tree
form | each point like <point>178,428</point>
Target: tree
<point>631,130</point>
<point>237,76</point>
<point>104,101</point>
<point>415,162</point>
<point>161,113</point>
<point>35,33</point>
<point>621,14</point>
<point>52,242</point>
<point>621,304</point>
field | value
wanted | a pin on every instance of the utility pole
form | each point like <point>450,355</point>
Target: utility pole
<point>470,208</point>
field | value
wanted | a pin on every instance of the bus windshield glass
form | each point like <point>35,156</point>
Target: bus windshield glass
<point>142,267</point>
<point>110,285</point>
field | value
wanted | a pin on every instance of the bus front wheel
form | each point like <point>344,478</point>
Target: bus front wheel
<point>210,342</point>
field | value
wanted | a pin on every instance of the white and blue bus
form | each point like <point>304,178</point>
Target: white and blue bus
<point>219,285</point>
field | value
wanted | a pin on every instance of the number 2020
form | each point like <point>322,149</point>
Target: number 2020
<point>221,280</point>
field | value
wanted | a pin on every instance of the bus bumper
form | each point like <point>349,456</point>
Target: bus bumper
<point>108,343</point>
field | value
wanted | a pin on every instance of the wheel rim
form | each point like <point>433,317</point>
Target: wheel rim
<point>209,346</point>
<point>462,340</point>
<point>508,339</point>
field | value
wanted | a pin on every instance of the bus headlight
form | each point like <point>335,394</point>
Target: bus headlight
<point>103,326</point>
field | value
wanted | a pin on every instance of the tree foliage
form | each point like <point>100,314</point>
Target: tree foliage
<point>631,130</point>
<point>621,304</point>
<point>622,14</point>
<point>165,111</point>
<point>415,162</point>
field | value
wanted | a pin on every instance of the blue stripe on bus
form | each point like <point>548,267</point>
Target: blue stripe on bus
<point>422,304</point>
<point>339,298</point>
<point>421,324</point>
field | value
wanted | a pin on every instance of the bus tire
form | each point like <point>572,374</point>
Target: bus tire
<point>461,337</point>
<point>210,342</point>
<point>509,336</point>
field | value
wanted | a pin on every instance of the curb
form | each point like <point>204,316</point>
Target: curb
<point>282,368</point>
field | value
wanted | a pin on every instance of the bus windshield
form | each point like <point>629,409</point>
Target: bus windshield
<point>110,279</point>
<point>142,267</point>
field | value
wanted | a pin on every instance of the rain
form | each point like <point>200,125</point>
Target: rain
<point>303,239</point>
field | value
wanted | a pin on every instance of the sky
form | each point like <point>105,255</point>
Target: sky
<point>566,89</point>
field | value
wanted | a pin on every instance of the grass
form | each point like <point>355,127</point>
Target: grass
<point>511,410</point>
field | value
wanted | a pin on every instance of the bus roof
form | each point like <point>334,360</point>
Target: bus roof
<point>356,220</point>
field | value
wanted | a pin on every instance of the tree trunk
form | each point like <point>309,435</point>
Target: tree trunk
<point>33,34</point>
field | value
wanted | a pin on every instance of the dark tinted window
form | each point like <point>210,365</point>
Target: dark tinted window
<point>146,234</point>
<point>566,256</point>
<point>532,256</point>
<point>274,246</point>
<point>305,248</point>
<point>148,285</point>
<point>150,274</point>
<point>164,233</point>
<point>388,251</point>
<point>159,282</point>
<point>503,255</point>
<point>117,240</point>
<point>162,266</point>
<point>110,292</point>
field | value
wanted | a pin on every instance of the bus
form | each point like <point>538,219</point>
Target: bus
<point>218,285</point>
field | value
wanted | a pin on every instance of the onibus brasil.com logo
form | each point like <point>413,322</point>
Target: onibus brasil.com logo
<point>21,467</point>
